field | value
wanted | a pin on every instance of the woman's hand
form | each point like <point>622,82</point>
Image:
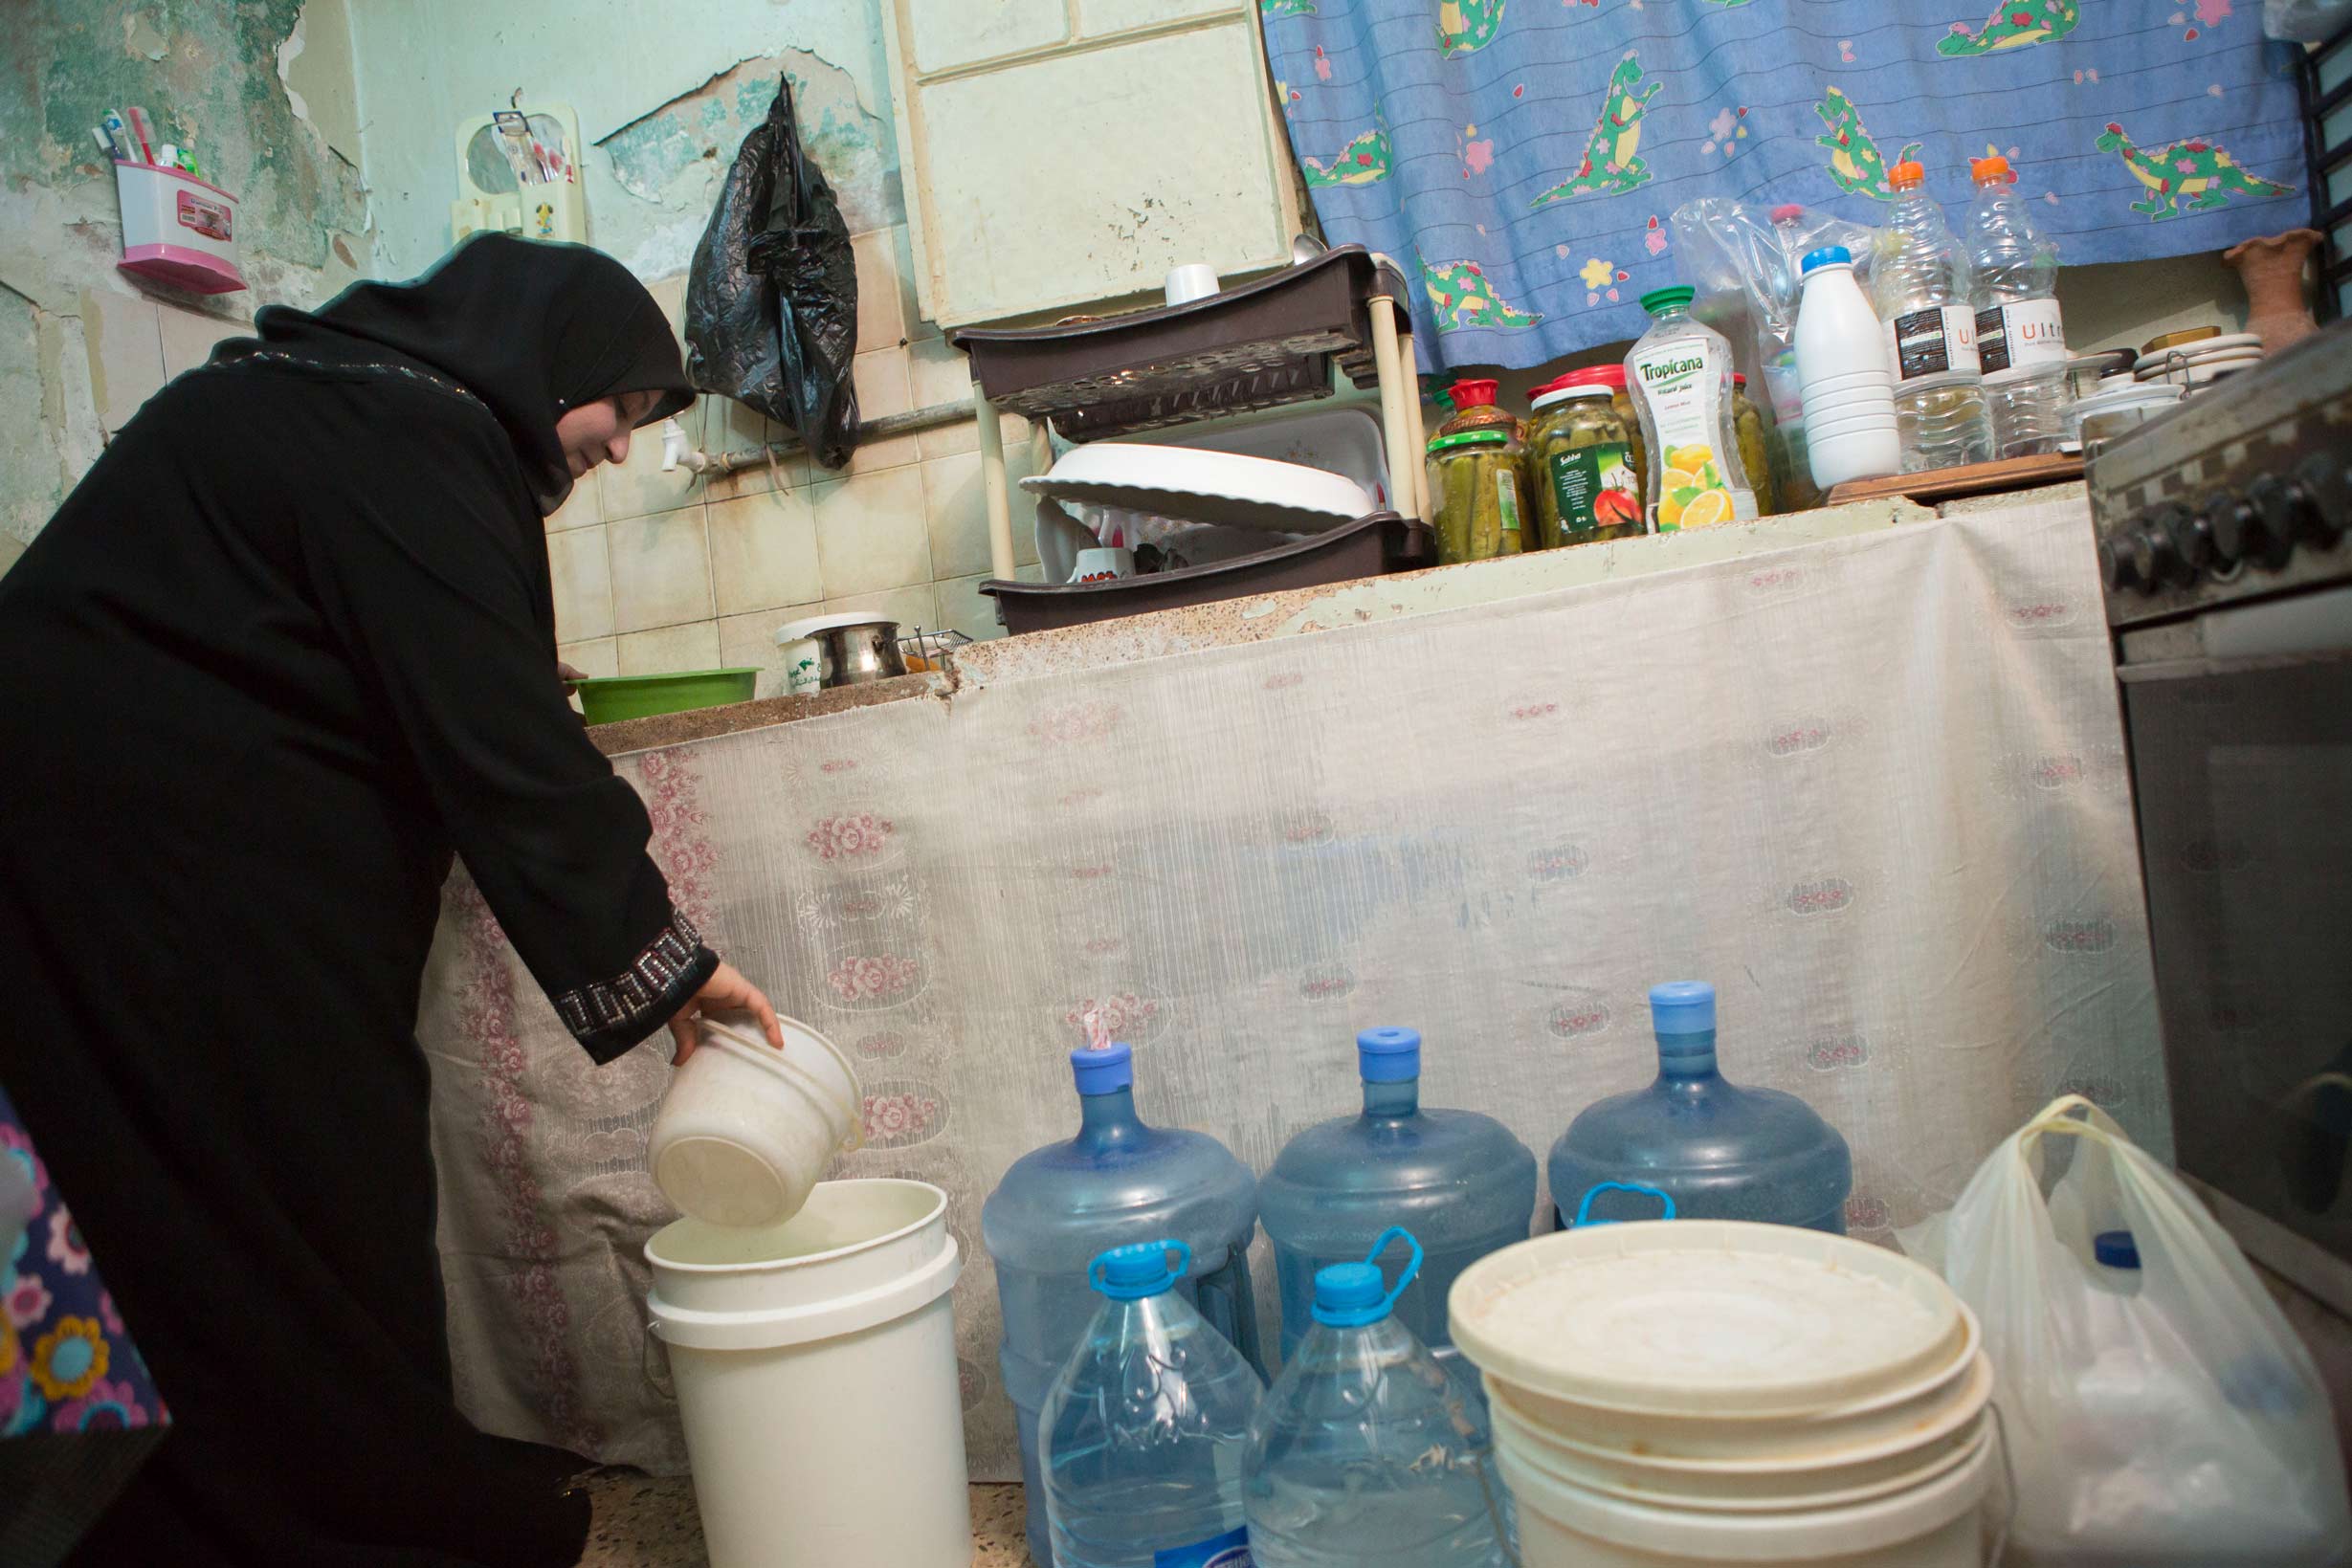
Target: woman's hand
<point>727,991</point>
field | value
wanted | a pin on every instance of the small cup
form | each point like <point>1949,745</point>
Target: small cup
<point>803,666</point>
<point>1104,564</point>
<point>1193,280</point>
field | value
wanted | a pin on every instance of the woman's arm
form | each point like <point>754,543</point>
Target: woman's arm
<point>439,594</point>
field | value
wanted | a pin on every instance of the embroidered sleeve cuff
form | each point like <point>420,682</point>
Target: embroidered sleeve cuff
<point>609,1016</point>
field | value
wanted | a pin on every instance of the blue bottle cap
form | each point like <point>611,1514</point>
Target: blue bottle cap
<point>2115,1248</point>
<point>1105,1070</point>
<point>1828,255</point>
<point>1347,1289</point>
<point>1388,1057</point>
<point>1132,1272</point>
<point>1682,1007</point>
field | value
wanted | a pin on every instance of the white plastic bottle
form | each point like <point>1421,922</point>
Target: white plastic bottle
<point>1919,287</point>
<point>2020,337</point>
<point>1842,372</point>
<point>1679,373</point>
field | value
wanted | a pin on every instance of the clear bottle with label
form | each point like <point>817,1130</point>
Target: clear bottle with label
<point>1143,1431</point>
<point>1581,468</point>
<point>2020,336</point>
<point>1680,372</point>
<point>1920,289</point>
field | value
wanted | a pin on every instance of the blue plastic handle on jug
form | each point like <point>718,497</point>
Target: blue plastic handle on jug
<point>1584,1209</point>
<point>1138,1269</point>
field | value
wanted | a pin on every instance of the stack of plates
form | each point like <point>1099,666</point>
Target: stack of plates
<point>2197,363</point>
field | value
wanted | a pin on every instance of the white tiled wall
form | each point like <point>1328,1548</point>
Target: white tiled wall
<point>656,572</point>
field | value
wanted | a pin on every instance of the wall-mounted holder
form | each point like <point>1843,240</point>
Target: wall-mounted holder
<point>490,195</point>
<point>177,229</point>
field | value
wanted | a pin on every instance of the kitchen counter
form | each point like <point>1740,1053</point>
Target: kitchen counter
<point>649,1521</point>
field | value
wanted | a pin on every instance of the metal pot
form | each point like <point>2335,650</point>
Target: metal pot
<point>849,649</point>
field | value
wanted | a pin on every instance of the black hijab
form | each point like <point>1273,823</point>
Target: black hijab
<point>533,329</point>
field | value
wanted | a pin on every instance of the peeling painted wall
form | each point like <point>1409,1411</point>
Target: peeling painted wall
<point>81,344</point>
<point>663,94</point>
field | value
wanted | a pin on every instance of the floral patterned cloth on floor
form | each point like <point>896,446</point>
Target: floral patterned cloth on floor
<point>67,1363</point>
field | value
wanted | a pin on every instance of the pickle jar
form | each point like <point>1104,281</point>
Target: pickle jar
<point>1612,377</point>
<point>1474,409</point>
<point>1755,451</point>
<point>1580,467</point>
<point>1474,494</point>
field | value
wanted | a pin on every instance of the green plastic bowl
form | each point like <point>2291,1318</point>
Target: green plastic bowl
<point>609,701</point>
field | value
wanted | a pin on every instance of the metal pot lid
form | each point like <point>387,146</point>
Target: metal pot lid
<point>793,632</point>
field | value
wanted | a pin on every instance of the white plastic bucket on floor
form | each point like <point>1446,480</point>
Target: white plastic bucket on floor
<point>1937,1524</point>
<point>815,1367</point>
<point>746,1130</point>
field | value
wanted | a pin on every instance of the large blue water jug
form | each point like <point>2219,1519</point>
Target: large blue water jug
<point>1365,1452</point>
<point>1117,1183</point>
<point>1457,1180</point>
<point>1144,1427</point>
<point>1718,1151</point>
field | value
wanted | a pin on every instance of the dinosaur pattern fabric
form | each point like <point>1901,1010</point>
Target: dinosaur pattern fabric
<point>1522,159</point>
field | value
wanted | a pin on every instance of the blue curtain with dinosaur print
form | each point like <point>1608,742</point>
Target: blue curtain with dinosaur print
<point>1521,158</point>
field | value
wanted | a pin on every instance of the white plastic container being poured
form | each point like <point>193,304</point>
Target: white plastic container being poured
<point>1848,390</point>
<point>747,1131</point>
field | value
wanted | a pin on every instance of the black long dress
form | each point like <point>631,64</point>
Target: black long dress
<point>286,647</point>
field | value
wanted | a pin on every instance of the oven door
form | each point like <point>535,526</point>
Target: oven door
<point>2242,766</point>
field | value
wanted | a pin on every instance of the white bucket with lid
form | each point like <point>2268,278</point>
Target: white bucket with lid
<point>1936,1524</point>
<point>815,1369</point>
<point>1699,1391</point>
<point>747,1130</point>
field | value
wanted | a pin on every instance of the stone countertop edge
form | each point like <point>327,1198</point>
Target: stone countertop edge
<point>1249,618</point>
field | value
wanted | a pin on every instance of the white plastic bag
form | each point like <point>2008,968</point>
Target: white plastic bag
<point>2180,1423</point>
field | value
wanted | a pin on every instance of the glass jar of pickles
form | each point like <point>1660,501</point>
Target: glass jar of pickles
<point>1474,409</point>
<point>1580,466</point>
<point>1755,451</point>
<point>1612,377</point>
<point>1474,494</point>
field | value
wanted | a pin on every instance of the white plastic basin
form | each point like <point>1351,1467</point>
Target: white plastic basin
<point>747,1131</point>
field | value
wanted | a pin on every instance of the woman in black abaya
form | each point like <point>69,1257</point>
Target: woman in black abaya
<point>286,647</point>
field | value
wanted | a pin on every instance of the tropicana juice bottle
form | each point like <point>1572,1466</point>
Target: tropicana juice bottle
<point>1680,375</point>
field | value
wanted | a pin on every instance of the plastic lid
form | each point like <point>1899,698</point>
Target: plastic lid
<point>1668,298</point>
<point>1738,378</point>
<point>1388,1057</point>
<point>1789,212</point>
<point>793,632</point>
<point>1103,1069</point>
<point>1682,1007</point>
<point>2115,1248</point>
<point>1561,394</point>
<point>1986,170</point>
<point>1347,1288</point>
<point>1611,376</point>
<point>1907,175</point>
<point>1469,438</point>
<point>1471,395</point>
<point>1828,255</point>
<point>1132,1272</point>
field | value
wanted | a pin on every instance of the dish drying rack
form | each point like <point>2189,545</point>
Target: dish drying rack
<point>931,647</point>
<point>1259,344</point>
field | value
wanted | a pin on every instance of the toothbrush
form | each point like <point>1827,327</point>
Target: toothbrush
<point>139,129</point>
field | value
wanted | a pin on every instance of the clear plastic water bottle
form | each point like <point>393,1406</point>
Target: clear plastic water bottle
<point>1464,1184</point>
<point>1919,287</point>
<point>1142,1431</point>
<point>1715,1150</point>
<point>2020,336</point>
<point>1117,1182</point>
<point>1366,1453</point>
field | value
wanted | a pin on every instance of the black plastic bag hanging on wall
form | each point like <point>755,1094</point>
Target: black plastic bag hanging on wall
<point>771,303</point>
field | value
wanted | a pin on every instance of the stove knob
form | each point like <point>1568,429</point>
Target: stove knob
<point>2229,523</point>
<point>2156,561</point>
<point>2116,566</point>
<point>2192,536</point>
<point>2327,483</point>
<point>2254,530</point>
